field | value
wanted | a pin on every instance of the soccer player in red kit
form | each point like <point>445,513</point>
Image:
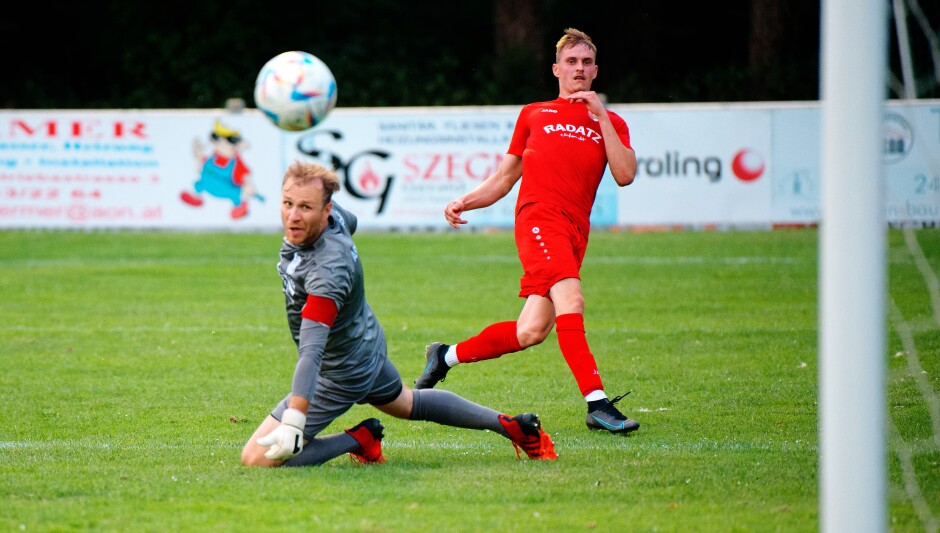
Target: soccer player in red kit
<point>562,148</point>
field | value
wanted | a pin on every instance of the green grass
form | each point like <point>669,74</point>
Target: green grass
<point>134,365</point>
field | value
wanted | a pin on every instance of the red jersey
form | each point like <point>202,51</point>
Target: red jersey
<point>563,156</point>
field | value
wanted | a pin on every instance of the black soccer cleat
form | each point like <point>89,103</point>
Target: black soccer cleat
<point>607,417</point>
<point>436,369</point>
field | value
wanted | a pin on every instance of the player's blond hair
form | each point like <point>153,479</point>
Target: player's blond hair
<point>306,173</point>
<point>573,37</point>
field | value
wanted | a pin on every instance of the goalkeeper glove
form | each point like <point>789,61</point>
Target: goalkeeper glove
<point>287,440</point>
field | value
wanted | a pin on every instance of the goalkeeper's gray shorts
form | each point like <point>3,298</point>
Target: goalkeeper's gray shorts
<point>331,400</point>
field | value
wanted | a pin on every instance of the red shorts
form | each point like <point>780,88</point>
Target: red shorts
<point>550,247</point>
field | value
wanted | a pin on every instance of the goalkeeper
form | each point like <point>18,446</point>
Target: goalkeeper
<point>342,359</point>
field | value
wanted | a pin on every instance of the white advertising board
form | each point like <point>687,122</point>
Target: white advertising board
<point>699,166</point>
<point>129,169</point>
<point>399,168</point>
<point>911,156</point>
<point>741,165</point>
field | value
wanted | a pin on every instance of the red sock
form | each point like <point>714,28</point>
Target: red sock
<point>494,341</point>
<point>574,346</point>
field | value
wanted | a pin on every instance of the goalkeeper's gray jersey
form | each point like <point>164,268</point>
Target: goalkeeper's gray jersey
<point>330,268</point>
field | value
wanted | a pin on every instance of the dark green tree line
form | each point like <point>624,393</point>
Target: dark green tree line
<point>112,54</point>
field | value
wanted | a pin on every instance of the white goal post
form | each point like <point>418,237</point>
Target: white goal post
<point>852,269</point>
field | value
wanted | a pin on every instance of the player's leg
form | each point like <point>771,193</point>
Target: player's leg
<point>552,249</point>
<point>443,407</point>
<point>494,341</point>
<point>535,321</point>
<point>446,408</point>
<point>572,340</point>
<point>253,453</point>
<point>315,452</point>
<point>532,327</point>
<point>326,406</point>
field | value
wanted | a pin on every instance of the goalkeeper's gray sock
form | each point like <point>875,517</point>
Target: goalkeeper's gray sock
<point>322,449</point>
<point>445,407</point>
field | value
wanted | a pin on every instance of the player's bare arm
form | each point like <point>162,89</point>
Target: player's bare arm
<point>487,193</point>
<point>299,402</point>
<point>620,159</point>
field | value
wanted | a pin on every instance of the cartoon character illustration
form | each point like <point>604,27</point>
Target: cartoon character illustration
<point>223,174</point>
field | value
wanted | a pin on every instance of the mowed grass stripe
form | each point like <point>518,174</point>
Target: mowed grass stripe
<point>928,273</point>
<point>133,366</point>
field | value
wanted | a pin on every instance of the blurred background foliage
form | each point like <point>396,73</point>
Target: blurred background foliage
<point>197,54</point>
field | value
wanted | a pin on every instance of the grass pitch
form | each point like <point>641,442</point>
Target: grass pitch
<point>135,365</point>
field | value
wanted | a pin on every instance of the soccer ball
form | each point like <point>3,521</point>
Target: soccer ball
<point>296,90</point>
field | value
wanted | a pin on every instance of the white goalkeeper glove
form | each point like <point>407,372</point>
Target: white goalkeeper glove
<point>287,440</point>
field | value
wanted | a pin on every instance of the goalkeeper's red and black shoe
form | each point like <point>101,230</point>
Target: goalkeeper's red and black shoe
<point>525,431</point>
<point>368,434</point>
